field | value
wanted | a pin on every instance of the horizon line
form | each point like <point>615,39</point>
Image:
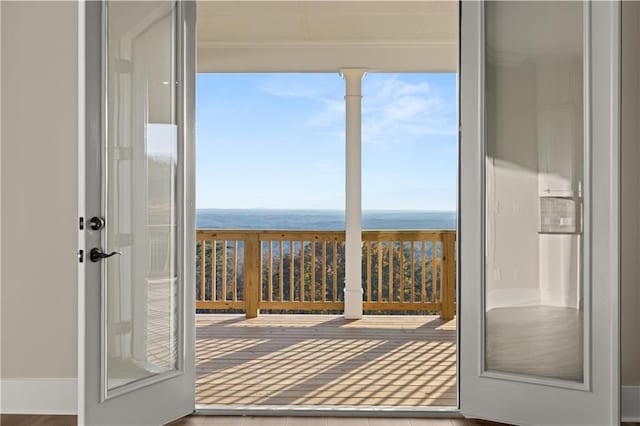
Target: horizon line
<point>325,210</point>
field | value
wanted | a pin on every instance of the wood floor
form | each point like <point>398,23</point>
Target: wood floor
<point>324,360</point>
<point>31,420</point>
<point>24,420</point>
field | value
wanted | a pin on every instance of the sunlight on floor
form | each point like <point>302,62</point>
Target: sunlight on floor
<point>325,360</point>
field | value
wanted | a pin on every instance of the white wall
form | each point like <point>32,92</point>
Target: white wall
<point>512,187</point>
<point>39,169</point>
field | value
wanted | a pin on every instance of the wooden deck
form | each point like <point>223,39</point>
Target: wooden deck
<point>323,360</point>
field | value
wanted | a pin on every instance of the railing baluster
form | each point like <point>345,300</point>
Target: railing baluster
<point>203,277</point>
<point>423,288</point>
<point>270,271</point>
<point>402,272</point>
<point>434,271</point>
<point>224,270</point>
<point>391,271</point>
<point>369,271</point>
<point>335,271</point>
<point>302,271</point>
<point>281,272</point>
<point>313,271</point>
<point>291,272</point>
<point>324,270</point>
<point>214,272</point>
<point>413,265</point>
<point>234,284</point>
<point>380,256</point>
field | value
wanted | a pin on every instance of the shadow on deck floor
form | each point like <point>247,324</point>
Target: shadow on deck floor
<point>324,360</point>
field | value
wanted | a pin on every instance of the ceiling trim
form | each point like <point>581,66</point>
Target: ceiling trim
<point>390,58</point>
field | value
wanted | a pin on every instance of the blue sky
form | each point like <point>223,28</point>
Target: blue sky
<point>277,141</point>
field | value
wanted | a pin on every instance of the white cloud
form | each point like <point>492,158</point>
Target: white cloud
<point>394,110</point>
<point>404,108</point>
<point>393,87</point>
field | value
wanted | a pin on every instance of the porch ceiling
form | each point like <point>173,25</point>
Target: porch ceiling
<point>324,36</point>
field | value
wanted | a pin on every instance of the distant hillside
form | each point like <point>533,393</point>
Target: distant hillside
<point>321,219</point>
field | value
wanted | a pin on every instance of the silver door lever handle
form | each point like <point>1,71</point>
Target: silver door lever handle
<point>97,254</point>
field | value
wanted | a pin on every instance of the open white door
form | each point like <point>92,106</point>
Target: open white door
<point>136,280</point>
<point>539,205</point>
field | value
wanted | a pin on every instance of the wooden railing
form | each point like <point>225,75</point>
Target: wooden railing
<point>304,270</point>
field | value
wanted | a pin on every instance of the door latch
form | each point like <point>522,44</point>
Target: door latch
<point>97,254</point>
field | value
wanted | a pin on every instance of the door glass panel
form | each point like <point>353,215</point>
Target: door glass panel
<point>534,182</point>
<point>141,317</point>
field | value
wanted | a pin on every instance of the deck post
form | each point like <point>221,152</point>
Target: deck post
<point>353,206</point>
<point>448,276</point>
<point>252,275</point>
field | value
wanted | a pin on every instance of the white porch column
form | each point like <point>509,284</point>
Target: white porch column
<point>353,247</point>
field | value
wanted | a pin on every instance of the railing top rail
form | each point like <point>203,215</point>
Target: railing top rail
<point>307,235</point>
<point>270,234</point>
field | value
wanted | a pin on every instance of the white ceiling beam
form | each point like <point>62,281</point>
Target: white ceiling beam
<point>441,57</point>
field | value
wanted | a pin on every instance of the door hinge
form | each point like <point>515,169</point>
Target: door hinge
<point>81,223</point>
<point>80,256</point>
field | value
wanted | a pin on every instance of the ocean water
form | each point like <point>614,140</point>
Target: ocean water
<point>321,219</point>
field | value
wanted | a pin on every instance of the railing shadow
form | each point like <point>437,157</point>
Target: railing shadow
<point>272,360</point>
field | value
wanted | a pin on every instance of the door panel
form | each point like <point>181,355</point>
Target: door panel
<point>137,306</point>
<point>539,212</point>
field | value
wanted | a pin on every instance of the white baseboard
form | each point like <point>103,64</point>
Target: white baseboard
<point>39,396</point>
<point>630,409</point>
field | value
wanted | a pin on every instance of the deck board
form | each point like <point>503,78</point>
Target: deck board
<point>316,360</point>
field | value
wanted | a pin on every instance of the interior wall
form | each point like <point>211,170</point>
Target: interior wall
<point>39,189</point>
<point>512,187</point>
<point>630,274</point>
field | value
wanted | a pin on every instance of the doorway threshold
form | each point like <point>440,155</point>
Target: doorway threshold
<point>326,411</point>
